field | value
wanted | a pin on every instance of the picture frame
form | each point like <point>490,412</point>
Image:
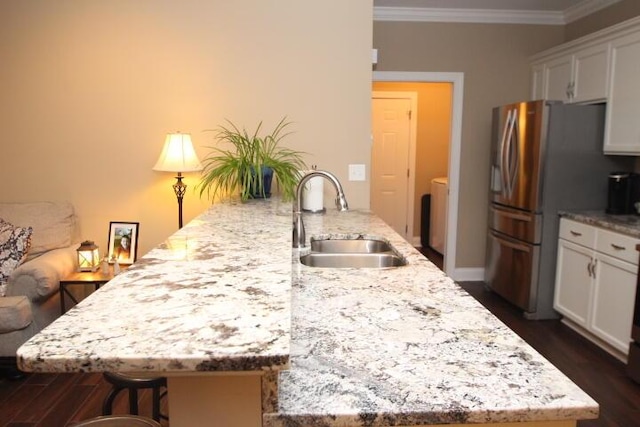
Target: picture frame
<point>123,242</point>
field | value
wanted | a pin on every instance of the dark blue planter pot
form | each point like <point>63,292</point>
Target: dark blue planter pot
<point>267,177</point>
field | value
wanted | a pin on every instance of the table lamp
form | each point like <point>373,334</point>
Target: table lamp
<point>178,156</point>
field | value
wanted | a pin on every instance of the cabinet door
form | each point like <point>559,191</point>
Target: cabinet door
<point>572,293</point>
<point>537,82</point>
<point>622,130</point>
<point>613,299</point>
<point>558,79</point>
<point>590,74</point>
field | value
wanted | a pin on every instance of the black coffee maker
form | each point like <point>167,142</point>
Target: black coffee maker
<point>619,201</point>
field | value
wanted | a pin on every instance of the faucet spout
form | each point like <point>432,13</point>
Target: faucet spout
<point>299,236</point>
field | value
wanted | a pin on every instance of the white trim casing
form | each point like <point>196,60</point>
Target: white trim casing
<point>469,275</point>
<point>457,79</point>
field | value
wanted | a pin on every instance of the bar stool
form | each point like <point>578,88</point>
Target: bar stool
<point>122,381</point>
<point>118,421</point>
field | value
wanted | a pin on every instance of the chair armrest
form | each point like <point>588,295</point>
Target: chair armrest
<point>40,277</point>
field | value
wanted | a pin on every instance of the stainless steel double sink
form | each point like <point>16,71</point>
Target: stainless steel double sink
<point>352,253</point>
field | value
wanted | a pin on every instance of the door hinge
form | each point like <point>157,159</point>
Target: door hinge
<point>409,114</point>
<point>408,174</point>
<point>406,229</point>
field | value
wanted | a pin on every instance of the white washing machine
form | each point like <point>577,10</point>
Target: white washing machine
<point>438,213</point>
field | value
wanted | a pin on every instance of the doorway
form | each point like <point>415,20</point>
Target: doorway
<point>453,161</point>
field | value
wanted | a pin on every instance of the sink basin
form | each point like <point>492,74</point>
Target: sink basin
<point>352,253</point>
<point>341,246</point>
<point>352,260</point>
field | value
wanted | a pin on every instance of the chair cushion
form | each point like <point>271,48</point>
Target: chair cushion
<point>53,223</point>
<point>15,314</point>
<point>14,245</point>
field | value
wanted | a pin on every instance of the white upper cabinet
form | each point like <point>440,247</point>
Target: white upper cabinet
<point>600,67</point>
<point>590,74</point>
<point>573,77</point>
<point>558,79</point>
<point>622,131</point>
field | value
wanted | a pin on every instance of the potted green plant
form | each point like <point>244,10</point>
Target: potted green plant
<point>249,162</point>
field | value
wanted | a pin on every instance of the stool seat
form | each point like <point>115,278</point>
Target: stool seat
<point>118,421</point>
<point>133,383</point>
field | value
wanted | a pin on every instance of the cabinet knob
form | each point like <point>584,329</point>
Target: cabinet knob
<point>575,233</point>
<point>618,247</point>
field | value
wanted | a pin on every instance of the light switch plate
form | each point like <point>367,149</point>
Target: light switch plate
<point>357,173</point>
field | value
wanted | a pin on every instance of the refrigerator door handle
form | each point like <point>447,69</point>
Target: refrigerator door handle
<point>507,160</point>
<point>514,152</point>
<point>512,215</point>
<point>503,160</point>
<point>512,245</point>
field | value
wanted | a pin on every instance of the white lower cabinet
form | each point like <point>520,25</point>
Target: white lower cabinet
<point>596,283</point>
<point>614,290</point>
<point>573,282</point>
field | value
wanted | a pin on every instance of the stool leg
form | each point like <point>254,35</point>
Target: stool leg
<point>156,404</point>
<point>133,401</point>
<point>163,394</point>
<point>107,406</point>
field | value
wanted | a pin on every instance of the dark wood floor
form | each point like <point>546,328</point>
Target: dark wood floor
<point>596,372</point>
<point>434,256</point>
<point>58,400</point>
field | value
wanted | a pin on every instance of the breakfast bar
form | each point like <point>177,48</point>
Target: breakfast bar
<point>247,335</point>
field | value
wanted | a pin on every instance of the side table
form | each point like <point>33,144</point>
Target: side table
<point>86,278</point>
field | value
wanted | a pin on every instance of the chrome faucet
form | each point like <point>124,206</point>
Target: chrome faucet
<point>298,226</point>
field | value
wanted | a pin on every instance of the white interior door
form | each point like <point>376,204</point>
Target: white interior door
<point>391,122</point>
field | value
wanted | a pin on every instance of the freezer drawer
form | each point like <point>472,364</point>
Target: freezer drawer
<point>512,270</point>
<point>520,225</point>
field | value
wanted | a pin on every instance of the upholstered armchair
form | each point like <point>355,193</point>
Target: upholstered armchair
<point>32,268</point>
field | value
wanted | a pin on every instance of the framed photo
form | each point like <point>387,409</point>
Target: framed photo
<point>123,242</point>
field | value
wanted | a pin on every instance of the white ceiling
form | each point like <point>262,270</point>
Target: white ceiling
<point>552,12</point>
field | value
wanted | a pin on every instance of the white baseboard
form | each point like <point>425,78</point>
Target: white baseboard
<point>467,274</point>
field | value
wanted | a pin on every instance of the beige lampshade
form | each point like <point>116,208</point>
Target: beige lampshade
<point>178,155</point>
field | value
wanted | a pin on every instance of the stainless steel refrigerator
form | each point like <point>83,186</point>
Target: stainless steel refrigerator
<point>545,157</point>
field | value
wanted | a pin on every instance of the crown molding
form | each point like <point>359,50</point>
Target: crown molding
<point>584,8</point>
<point>484,16</point>
<point>491,16</point>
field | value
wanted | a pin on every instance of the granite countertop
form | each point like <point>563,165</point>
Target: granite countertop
<point>625,224</point>
<point>355,347</point>
<point>407,346</point>
<point>215,296</point>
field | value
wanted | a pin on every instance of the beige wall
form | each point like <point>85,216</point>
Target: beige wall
<point>433,135</point>
<point>606,17</point>
<point>494,60</point>
<point>89,90</point>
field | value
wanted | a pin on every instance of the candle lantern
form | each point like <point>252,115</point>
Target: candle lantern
<point>88,256</point>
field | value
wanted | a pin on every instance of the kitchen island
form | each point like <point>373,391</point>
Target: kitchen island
<point>226,299</point>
